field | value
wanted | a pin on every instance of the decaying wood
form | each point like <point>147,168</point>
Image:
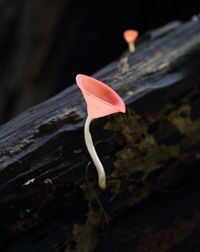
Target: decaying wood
<point>49,193</point>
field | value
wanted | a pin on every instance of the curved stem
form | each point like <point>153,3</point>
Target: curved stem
<point>93,154</point>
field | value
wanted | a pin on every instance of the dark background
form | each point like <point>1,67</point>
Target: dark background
<point>45,43</point>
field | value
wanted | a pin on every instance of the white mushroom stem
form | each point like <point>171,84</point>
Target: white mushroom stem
<point>131,47</point>
<point>93,154</point>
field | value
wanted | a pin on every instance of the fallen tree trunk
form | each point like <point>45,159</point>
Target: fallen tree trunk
<point>49,193</point>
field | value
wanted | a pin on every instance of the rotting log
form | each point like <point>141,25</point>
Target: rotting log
<point>49,194</point>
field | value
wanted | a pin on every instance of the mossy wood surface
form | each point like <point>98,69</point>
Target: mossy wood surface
<point>50,199</point>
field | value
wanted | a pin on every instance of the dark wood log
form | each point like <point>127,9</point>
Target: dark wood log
<point>49,193</point>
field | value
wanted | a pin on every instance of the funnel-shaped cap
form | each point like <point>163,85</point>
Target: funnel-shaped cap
<point>101,100</point>
<point>130,36</point>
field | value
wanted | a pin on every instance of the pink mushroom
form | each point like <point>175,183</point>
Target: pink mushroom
<point>130,37</point>
<point>101,101</point>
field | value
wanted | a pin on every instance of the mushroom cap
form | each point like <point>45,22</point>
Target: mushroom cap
<point>101,99</point>
<point>130,36</point>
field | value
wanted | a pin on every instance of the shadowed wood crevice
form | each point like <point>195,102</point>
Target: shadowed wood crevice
<point>150,154</point>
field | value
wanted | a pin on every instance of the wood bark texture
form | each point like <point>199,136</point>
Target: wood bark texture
<point>50,198</point>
